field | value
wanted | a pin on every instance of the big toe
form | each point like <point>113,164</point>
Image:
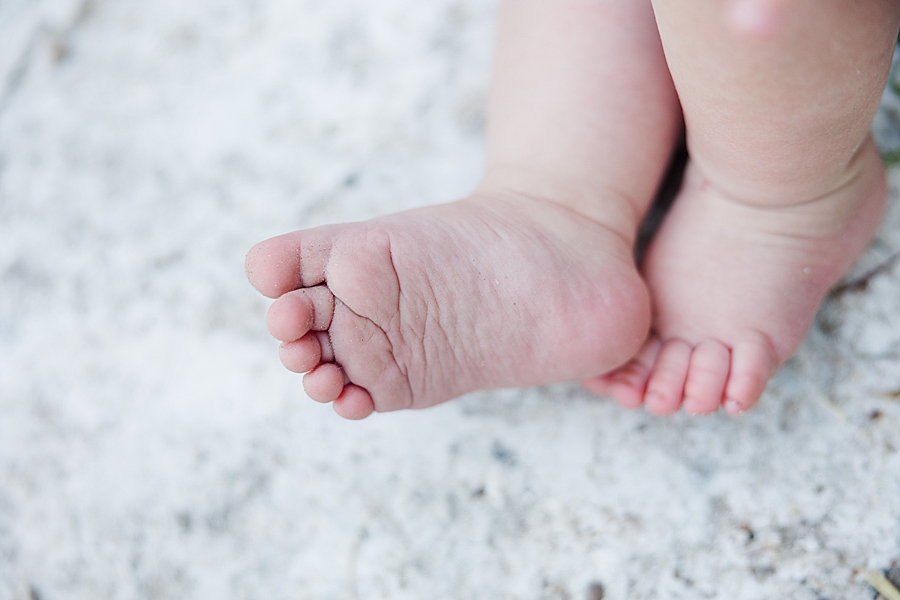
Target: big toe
<point>271,269</point>
<point>289,262</point>
<point>753,362</point>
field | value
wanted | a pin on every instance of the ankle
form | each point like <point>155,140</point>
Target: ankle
<point>818,187</point>
<point>612,209</point>
<point>854,197</point>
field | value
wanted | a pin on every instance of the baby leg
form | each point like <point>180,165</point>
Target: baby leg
<point>783,190</point>
<point>529,280</point>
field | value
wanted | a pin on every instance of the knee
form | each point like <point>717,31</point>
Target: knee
<point>755,18</point>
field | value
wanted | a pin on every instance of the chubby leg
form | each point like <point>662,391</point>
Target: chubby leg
<point>529,280</point>
<point>582,109</point>
<point>783,191</point>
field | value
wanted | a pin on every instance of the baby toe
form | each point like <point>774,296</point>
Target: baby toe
<point>354,403</point>
<point>707,374</point>
<point>753,363</point>
<point>300,356</point>
<point>628,394</point>
<point>626,384</point>
<point>273,267</point>
<point>291,261</point>
<point>295,313</point>
<point>666,384</point>
<point>289,317</point>
<point>324,383</point>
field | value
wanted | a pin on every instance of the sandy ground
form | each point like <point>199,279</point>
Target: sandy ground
<point>151,445</point>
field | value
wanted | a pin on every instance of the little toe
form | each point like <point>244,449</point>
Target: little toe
<point>598,385</point>
<point>626,384</point>
<point>295,313</point>
<point>666,385</point>
<point>628,394</point>
<point>354,403</point>
<point>300,356</point>
<point>707,374</point>
<point>752,364</point>
<point>324,383</point>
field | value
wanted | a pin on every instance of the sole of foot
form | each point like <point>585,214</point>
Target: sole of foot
<point>409,310</point>
<point>736,287</point>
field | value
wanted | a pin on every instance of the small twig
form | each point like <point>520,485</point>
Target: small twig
<point>831,407</point>
<point>881,584</point>
<point>889,394</point>
<point>859,284</point>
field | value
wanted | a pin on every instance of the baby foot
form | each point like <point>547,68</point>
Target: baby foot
<point>736,286</point>
<point>412,309</point>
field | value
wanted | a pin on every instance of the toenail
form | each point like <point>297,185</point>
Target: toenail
<point>733,407</point>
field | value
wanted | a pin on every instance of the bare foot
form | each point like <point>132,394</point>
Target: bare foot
<point>736,286</point>
<point>409,310</point>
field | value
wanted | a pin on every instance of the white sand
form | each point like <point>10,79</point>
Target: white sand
<point>151,445</point>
